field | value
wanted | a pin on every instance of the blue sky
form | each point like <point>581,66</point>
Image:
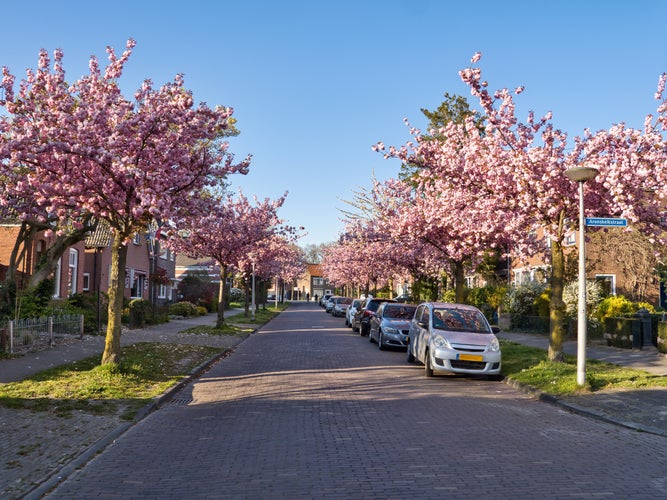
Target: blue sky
<point>315,84</point>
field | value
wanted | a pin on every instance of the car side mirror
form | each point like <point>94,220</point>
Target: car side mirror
<point>495,329</point>
<point>423,324</point>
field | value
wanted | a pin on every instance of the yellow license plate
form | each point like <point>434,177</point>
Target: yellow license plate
<point>469,357</point>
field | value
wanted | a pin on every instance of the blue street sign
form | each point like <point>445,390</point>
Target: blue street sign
<point>606,221</point>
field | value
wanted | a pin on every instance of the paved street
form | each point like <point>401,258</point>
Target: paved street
<point>305,409</point>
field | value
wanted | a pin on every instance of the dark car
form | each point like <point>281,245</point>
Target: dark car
<point>362,320</point>
<point>390,326</point>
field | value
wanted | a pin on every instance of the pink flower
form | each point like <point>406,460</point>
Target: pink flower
<point>476,57</point>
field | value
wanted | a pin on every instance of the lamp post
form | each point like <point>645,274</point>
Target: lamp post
<point>252,313</point>
<point>581,175</point>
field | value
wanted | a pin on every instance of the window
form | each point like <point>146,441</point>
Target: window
<point>72,274</point>
<point>570,239</point>
<point>138,283</point>
<point>608,282</point>
<point>86,282</point>
<point>136,239</point>
<point>162,291</point>
<point>56,276</point>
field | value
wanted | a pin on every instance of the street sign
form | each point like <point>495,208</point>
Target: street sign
<point>606,221</point>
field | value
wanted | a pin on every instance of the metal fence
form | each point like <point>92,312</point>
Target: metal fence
<point>32,334</point>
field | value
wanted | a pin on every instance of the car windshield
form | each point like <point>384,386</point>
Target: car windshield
<point>460,320</point>
<point>399,312</point>
<point>345,300</point>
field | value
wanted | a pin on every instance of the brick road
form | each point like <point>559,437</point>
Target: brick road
<point>305,409</point>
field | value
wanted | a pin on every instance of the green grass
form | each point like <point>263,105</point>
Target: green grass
<point>145,372</point>
<point>530,366</point>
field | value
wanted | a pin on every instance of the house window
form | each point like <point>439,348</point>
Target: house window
<point>136,239</point>
<point>162,291</point>
<point>139,284</point>
<point>608,282</point>
<point>72,271</point>
<point>86,282</point>
<point>570,239</point>
<point>56,276</point>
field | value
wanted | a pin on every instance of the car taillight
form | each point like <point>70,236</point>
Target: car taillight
<point>367,313</point>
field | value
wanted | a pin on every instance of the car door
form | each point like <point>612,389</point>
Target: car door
<point>422,327</point>
<point>375,323</point>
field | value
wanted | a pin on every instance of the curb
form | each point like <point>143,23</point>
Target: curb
<point>581,410</point>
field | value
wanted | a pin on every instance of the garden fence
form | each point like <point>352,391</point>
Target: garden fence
<point>32,334</point>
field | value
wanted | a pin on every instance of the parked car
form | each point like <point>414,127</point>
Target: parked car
<point>454,338</point>
<point>340,306</point>
<point>328,305</point>
<point>362,319</point>
<point>390,326</point>
<point>351,311</point>
<point>324,299</point>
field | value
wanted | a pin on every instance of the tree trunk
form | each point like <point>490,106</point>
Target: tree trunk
<point>458,282</point>
<point>220,321</point>
<point>112,351</point>
<point>556,304</point>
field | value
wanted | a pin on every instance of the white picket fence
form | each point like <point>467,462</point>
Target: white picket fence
<point>32,334</point>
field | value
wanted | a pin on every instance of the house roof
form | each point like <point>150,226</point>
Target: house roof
<point>315,270</point>
<point>101,237</point>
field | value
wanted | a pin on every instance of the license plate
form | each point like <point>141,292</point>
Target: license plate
<point>469,357</point>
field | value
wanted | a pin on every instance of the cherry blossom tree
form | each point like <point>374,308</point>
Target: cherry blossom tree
<point>514,170</point>
<point>230,231</point>
<point>84,148</point>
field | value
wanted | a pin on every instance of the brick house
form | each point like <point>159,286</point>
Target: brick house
<point>69,274</point>
<point>602,264</point>
<point>85,266</point>
<point>149,270</point>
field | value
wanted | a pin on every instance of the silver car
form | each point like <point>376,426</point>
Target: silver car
<point>351,311</point>
<point>454,338</point>
<point>340,306</point>
<point>391,324</point>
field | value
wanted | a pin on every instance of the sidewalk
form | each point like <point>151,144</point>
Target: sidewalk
<point>644,410</point>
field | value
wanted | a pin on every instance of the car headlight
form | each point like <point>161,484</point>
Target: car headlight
<point>494,346</point>
<point>440,341</point>
<point>389,329</point>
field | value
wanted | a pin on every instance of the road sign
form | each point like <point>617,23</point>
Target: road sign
<point>606,221</point>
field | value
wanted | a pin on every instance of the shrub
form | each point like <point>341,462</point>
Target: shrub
<point>140,310</point>
<point>201,311</point>
<point>183,309</point>
<point>615,306</point>
<point>449,295</point>
<point>521,301</point>
<point>594,294</point>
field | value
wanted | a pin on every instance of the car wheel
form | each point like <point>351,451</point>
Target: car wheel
<point>411,357</point>
<point>428,369</point>
<point>380,344</point>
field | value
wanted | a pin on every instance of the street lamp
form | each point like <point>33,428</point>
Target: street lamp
<point>581,175</point>
<point>252,312</point>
